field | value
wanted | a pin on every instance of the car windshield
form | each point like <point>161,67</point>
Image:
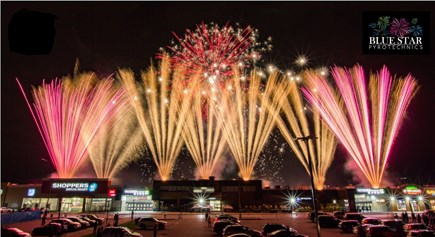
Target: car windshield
<point>236,227</point>
<point>372,221</point>
<point>379,229</point>
<point>418,227</point>
<point>270,228</point>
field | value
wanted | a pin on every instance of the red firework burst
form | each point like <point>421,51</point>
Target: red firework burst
<point>217,50</point>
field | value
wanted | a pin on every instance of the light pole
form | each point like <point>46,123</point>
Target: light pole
<point>60,201</point>
<point>313,189</point>
<point>107,210</point>
<point>240,204</point>
<point>292,203</point>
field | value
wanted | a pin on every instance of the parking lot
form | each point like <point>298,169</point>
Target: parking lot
<point>195,224</point>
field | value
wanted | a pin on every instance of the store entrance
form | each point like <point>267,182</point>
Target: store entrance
<point>216,205</point>
<point>364,207</point>
<point>72,204</point>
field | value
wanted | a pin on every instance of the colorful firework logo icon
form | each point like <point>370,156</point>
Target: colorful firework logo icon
<point>393,32</point>
<point>399,27</point>
<point>92,187</point>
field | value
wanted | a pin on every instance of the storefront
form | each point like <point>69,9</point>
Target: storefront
<point>371,199</point>
<point>137,200</point>
<point>409,198</point>
<point>66,195</point>
<point>429,195</point>
<point>76,195</point>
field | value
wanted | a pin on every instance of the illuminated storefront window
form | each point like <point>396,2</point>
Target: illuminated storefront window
<point>370,199</point>
<point>432,204</point>
<point>136,200</point>
<point>40,203</point>
<point>401,205</point>
<point>74,204</point>
<point>216,204</point>
<point>98,204</point>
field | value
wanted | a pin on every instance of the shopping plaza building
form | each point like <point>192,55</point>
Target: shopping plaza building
<point>98,195</point>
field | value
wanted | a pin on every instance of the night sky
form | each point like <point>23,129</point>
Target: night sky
<point>107,35</point>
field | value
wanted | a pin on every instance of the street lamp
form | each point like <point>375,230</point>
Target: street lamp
<point>201,202</point>
<point>310,166</point>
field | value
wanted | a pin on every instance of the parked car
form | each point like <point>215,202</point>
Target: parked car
<point>239,235</point>
<point>328,221</point>
<point>55,228</point>
<point>67,224</point>
<point>339,214</point>
<point>6,209</point>
<point>89,220</point>
<point>371,221</point>
<point>149,222</point>
<point>421,233</point>
<point>414,226</point>
<point>226,217</point>
<point>347,225</point>
<point>286,233</point>
<point>354,216</point>
<point>269,228</point>
<point>83,223</point>
<point>319,213</point>
<point>96,218</point>
<point>395,224</point>
<point>361,229</point>
<point>236,229</point>
<point>14,232</point>
<point>219,226</point>
<point>119,231</point>
<point>381,231</point>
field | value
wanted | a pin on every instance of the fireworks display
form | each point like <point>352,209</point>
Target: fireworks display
<point>216,50</point>
<point>366,119</point>
<point>248,117</point>
<point>203,135</point>
<point>270,163</point>
<point>69,113</point>
<point>161,103</point>
<point>119,143</point>
<point>208,95</point>
<point>295,124</point>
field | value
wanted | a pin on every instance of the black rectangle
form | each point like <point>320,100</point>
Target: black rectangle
<point>396,32</point>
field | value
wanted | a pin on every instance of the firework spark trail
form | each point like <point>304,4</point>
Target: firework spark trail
<point>365,120</point>
<point>297,124</point>
<point>249,116</point>
<point>161,108</point>
<point>203,135</point>
<point>68,114</point>
<point>117,145</point>
<point>216,50</point>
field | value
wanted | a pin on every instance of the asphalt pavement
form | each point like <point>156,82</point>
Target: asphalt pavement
<point>195,224</point>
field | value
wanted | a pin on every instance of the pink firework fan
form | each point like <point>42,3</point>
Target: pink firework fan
<point>399,27</point>
<point>216,50</point>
